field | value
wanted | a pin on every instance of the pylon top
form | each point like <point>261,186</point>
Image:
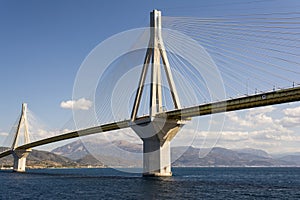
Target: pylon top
<point>22,125</point>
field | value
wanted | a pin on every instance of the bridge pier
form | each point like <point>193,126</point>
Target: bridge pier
<point>20,160</point>
<point>156,131</point>
<point>20,155</point>
<point>156,136</point>
<point>156,157</point>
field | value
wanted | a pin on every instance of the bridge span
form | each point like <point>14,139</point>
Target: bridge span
<point>159,127</point>
<point>252,101</point>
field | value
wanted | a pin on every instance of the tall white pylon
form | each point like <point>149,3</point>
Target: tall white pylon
<point>157,52</point>
<point>20,155</point>
<point>156,131</point>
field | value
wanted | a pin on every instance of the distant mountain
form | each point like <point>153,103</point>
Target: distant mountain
<point>89,160</point>
<point>221,157</point>
<point>256,152</point>
<point>74,150</point>
<point>44,159</point>
<point>116,154</point>
<point>281,155</point>
<point>125,154</point>
<point>291,158</point>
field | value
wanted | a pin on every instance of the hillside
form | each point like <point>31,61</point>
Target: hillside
<point>117,153</point>
<point>217,157</point>
<point>126,154</point>
<point>44,159</point>
<point>221,157</point>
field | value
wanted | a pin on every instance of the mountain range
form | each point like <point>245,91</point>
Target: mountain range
<point>44,159</point>
<point>125,154</point>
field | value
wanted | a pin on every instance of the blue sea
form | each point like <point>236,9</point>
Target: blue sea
<point>186,183</point>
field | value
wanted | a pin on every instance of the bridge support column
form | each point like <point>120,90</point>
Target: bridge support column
<point>156,136</point>
<point>156,131</point>
<point>20,160</point>
<point>156,157</point>
<point>20,155</point>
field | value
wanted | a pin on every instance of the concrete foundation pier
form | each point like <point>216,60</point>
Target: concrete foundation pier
<point>157,135</point>
<point>20,157</point>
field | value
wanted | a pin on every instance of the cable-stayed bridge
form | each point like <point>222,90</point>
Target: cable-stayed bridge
<point>160,126</point>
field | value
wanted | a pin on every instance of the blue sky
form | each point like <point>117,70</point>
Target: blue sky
<point>43,43</point>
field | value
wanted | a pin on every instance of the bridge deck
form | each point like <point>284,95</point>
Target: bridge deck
<point>269,98</point>
<point>73,134</point>
<point>5,153</point>
<point>258,100</point>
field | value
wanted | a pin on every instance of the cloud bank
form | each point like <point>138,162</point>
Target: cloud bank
<point>80,104</point>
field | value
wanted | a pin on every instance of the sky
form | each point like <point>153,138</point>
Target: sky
<point>43,44</point>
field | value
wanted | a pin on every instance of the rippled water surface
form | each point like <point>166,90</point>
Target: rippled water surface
<point>186,183</point>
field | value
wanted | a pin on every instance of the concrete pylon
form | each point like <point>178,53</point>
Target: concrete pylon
<point>20,155</point>
<point>156,131</point>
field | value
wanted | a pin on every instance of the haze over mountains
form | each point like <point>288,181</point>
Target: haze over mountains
<point>126,154</point>
<point>130,155</point>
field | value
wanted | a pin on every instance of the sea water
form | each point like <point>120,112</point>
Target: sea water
<point>186,183</point>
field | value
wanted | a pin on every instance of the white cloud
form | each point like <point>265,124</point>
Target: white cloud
<point>290,121</point>
<point>226,135</point>
<point>3,134</point>
<point>234,118</point>
<point>260,116</point>
<point>260,110</point>
<point>292,112</point>
<point>291,118</point>
<point>41,133</point>
<point>80,104</point>
<point>262,119</point>
<point>235,135</point>
<point>249,119</point>
<point>269,128</point>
